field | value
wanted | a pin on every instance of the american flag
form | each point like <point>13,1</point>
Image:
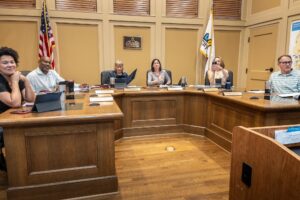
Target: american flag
<point>46,42</point>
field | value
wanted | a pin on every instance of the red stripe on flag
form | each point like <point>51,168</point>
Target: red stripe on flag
<point>46,38</point>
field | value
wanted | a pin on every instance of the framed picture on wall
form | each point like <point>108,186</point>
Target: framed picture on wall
<point>132,42</point>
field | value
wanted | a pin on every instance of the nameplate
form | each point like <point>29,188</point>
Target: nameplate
<point>104,91</point>
<point>130,89</point>
<point>210,89</point>
<point>101,98</point>
<point>175,88</point>
<point>232,93</point>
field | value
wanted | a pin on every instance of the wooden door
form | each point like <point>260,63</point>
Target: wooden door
<point>262,52</point>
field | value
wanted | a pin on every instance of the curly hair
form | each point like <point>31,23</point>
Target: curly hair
<point>6,51</point>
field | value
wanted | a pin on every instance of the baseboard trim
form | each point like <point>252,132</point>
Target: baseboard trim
<point>154,130</point>
<point>218,139</point>
<point>196,130</point>
<point>67,189</point>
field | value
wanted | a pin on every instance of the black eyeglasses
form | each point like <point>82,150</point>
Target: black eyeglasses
<point>214,63</point>
<point>286,62</point>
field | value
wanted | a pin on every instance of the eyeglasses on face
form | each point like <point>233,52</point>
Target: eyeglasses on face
<point>286,62</point>
<point>214,63</point>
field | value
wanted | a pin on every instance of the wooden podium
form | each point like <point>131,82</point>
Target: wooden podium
<point>262,168</point>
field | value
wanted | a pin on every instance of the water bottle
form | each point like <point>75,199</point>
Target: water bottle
<point>267,87</point>
<point>183,81</point>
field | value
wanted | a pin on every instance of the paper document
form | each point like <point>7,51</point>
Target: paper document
<point>285,137</point>
<point>289,94</point>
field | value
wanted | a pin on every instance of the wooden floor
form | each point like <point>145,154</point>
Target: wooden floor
<point>196,170</point>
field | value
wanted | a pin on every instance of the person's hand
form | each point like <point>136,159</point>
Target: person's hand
<point>219,68</point>
<point>15,76</point>
<point>161,79</point>
<point>155,81</point>
<point>216,67</point>
<point>22,77</point>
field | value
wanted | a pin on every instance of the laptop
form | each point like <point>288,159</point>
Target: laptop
<point>120,83</point>
<point>47,102</point>
<point>131,76</point>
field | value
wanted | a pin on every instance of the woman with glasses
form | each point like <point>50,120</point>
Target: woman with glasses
<point>286,80</point>
<point>217,75</point>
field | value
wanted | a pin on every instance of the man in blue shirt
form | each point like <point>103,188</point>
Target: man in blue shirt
<point>287,80</point>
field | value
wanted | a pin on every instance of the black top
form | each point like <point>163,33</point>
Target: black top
<point>4,87</point>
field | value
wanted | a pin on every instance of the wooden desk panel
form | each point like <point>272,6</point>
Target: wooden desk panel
<point>210,114</point>
<point>161,112</point>
<point>57,153</point>
<point>61,154</point>
<point>275,168</point>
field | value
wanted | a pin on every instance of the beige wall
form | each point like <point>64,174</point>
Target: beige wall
<point>23,37</point>
<point>78,52</point>
<point>227,46</point>
<point>260,5</point>
<point>134,58</point>
<point>180,57</point>
<point>280,12</point>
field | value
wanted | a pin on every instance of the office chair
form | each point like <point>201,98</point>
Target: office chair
<point>230,77</point>
<point>105,76</point>
<point>25,72</point>
<point>168,71</point>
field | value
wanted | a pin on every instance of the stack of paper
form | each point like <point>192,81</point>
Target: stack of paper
<point>285,137</point>
<point>289,94</point>
<point>101,98</point>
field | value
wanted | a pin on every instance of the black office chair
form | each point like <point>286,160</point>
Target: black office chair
<point>25,72</point>
<point>105,75</point>
<point>229,79</point>
<point>168,71</point>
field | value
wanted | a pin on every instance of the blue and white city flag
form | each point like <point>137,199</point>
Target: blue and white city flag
<point>207,47</point>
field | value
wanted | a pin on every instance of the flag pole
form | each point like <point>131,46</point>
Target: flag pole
<point>46,26</point>
<point>207,48</point>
